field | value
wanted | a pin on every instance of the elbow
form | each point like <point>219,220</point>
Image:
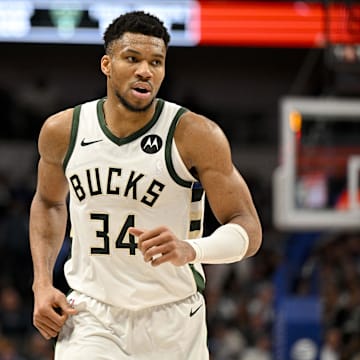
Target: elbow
<point>255,240</point>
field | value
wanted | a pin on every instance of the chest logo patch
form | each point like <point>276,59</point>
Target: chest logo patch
<point>151,144</point>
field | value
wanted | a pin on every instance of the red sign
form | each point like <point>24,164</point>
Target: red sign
<point>278,24</point>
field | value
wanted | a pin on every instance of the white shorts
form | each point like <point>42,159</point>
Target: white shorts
<point>175,331</point>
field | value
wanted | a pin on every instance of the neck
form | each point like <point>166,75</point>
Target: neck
<point>123,122</point>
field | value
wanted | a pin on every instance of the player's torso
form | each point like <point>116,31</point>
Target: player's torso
<point>117,183</point>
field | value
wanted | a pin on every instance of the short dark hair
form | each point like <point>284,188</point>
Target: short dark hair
<point>137,22</point>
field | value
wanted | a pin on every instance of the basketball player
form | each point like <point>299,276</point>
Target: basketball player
<point>137,168</point>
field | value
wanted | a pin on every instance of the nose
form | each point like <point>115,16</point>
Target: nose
<point>143,70</point>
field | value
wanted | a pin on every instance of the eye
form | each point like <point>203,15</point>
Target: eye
<point>156,63</point>
<point>131,59</point>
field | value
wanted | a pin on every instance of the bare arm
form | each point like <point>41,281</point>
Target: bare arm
<point>205,149</point>
<point>48,217</point>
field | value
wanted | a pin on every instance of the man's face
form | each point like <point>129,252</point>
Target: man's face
<point>135,68</point>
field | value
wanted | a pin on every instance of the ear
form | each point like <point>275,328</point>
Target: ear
<point>105,65</point>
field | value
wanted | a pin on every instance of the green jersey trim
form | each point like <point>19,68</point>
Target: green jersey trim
<point>168,157</point>
<point>199,280</point>
<point>73,135</point>
<point>135,135</point>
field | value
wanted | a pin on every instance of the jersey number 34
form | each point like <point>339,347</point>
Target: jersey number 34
<point>120,242</point>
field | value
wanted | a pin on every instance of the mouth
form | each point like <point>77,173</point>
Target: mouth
<point>141,91</point>
<point>142,88</point>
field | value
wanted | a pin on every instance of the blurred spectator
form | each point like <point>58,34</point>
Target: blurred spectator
<point>226,341</point>
<point>15,318</point>
<point>331,347</point>
<point>8,350</point>
<point>262,304</point>
<point>260,351</point>
<point>37,348</point>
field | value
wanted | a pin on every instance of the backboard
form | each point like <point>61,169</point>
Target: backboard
<point>317,185</point>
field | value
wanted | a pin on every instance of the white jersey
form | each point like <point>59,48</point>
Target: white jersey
<point>116,183</point>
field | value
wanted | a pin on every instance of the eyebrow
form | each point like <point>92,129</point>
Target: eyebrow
<point>135,52</point>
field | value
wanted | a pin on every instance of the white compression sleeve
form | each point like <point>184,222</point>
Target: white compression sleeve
<point>227,244</point>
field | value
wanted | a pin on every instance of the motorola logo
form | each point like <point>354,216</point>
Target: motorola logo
<point>151,144</point>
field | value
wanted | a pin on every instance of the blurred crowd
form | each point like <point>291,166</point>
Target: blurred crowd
<point>335,263</point>
<point>18,338</point>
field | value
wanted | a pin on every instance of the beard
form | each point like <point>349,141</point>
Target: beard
<point>133,108</point>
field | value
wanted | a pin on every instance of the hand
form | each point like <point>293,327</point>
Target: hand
<point>160,245</point>
<point>51,310</point>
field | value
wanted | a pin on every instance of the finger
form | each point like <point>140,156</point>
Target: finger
<point>154,252</point>
<point>47,329</point>
<point>151,254</point>
<point>147,234</point>
<point>136,231</point>
<point>143,236</point>
<point>42,329</point>
<point>153,246</point>
<point>158,260</point>
<point>64,308</point>
<point>48,333</point>
<point>67,310</point>
<point>44,334</point>
<point>52,320</point>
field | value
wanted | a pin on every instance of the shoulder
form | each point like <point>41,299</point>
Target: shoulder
<point>54,136</point>
<point>197,126</point>
<point>199,138</point>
